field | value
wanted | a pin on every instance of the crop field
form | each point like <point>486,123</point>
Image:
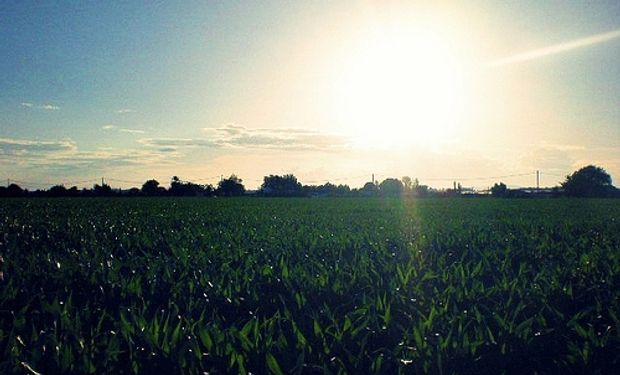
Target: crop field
<point>309,286</point>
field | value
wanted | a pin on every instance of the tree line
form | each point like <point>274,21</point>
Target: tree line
<point>590,181</point>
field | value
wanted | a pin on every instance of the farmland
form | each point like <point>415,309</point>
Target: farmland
<point>309,285</point>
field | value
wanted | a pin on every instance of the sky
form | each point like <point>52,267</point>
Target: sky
<point>476,92</point>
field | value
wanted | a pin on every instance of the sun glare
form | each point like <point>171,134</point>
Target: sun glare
<point>401,86</point>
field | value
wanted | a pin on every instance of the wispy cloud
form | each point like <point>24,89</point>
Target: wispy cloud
<point>555,49</point>
<point>24,147</point>
<point>64,155</point>
<point>124,110</point>
<point>49,107</point>
<point>173,144</point>
<point>131,131</point>
<point>45,107</point>
<point>276,138</point>
<point>235,136</point>
<point>111,127</point>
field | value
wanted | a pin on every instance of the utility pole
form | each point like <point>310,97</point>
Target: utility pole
<point>102,181</point>
<point>373,179</point>
<point>8,182</point>
<point>537,180</point>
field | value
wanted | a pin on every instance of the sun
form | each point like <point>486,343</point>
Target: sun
<point>401,86</point>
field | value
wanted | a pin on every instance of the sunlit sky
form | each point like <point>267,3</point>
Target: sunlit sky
<point>472,91</point>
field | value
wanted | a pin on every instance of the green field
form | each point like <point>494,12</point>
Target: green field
<point>309,286</point>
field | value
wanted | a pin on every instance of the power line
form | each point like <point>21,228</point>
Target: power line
<point>309,181</point>
<point>555,174</point>
<point>125,181</point>
<point>31,183</point>
<point>79,182</point>
<point>477,178</point>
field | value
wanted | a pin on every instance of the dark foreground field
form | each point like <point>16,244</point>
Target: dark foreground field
<point>309,286</point>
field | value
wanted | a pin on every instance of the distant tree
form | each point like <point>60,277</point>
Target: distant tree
<point>179,188</point>
<point>73,191</point>
<point>327,190</point>
<point>369,189</point>
<point>209,191</point>
<point>500,190</point>
<point>102,190</point>
<point>391,187</point>
<point>281,186</point>
<point>420,190</point>
<point>13,190</point>
<point>342,191</point>
<point>230,187</point>
<point>57,191</point>
<point>590,181</point>
<point>133,192</point>
<point>150,188</point>
<point>407,183</point>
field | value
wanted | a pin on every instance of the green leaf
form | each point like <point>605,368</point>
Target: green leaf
<point>205,338</point>
<point>176,334</point>
<point>347,324</point>
<point>273,365</point>
<point>317,329</point>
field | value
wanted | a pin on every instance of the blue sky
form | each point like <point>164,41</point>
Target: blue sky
<point>131,91</point>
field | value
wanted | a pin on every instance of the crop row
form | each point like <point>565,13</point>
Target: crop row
<point>309,285</point>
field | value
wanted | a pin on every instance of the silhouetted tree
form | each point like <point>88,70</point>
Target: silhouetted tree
<point>342,190</point>
<point>327,190</point>
<point>407,183</point>
<point>73,191</point>
<point>500,190</point>
<point>57,191</point>
<point>133,192</point>
<point>369,189</point>
<point>209,191</point>
<point>179,188</point>
<point>150,188</point>
<point>420,190</point>
<point>13,190</point>
<point>230,187</point>
<point>102,190</point>
<point>281,186</point>
<point>590,181</point>
<point>391,187</point>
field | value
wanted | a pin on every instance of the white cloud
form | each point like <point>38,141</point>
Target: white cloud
<point>49,107</point>
<point>122,130</point>
<point>131,131</point>
<point>125,110</point>
<point>173,144</point>
<point>45,107</point>
<point>65,156</point>
<point>556,48</point>
<point>235,136</point>
<point>25,147</point>
<point>276,138</point>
